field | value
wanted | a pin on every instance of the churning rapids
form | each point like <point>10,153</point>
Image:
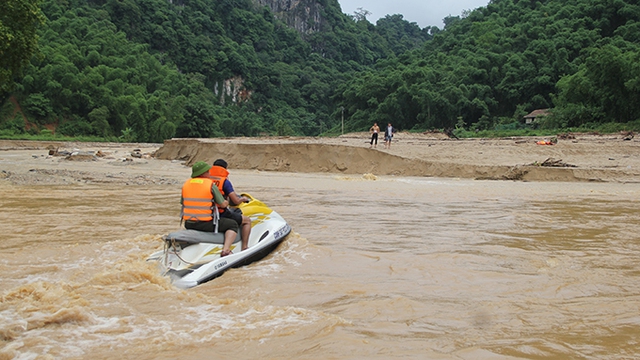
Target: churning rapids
<point>384,267</point>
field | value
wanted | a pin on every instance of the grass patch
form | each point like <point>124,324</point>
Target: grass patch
<point>46,135</point>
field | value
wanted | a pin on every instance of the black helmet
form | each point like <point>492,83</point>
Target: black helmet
<point>221,163</point>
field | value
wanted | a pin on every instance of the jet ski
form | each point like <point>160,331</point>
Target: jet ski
<point>192,257</point>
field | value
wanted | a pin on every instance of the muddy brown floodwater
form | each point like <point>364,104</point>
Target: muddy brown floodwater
<point>376,267</point>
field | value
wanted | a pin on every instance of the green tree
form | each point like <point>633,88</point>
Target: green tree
<point>38,105</point>
<point>604,89</point>
<point>200,119</point>
<point>99,121</point>
<point>19,22</point>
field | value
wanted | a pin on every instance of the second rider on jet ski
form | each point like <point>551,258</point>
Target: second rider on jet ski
<point>219,174</point>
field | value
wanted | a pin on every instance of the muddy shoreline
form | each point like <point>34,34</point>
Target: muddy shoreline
<point>584,158</point>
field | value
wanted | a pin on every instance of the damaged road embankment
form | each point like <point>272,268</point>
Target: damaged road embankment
<point>433,158</point>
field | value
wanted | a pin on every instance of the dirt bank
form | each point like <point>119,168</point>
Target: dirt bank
<point>582,158</point>
<point>607,158</point>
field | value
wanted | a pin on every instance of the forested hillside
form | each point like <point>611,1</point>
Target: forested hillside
<point>579,57</point>
<point>148,70</point>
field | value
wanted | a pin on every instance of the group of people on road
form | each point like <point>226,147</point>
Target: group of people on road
<point>388,135</point>
<point>206,198</point>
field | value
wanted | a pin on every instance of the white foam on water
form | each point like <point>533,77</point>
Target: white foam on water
<point>430,181</point>
<point>293,251</point>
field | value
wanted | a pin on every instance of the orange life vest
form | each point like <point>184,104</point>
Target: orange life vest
<point>197,199</point>
<point>218,174</point>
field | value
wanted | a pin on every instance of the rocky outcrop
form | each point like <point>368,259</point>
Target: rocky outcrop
<point>303,15</point>
<point>232,90</point>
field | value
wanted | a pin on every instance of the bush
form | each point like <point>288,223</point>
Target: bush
<point>15,125</point>
<point>509,126</point>
<point>573,115</point>
<point>283,128</point>
<point>75,128</point>
<point>38,105</point>
<point>617,127</point>
<point>552,122</point>
<point>46,133</point>
<point>128,135</point>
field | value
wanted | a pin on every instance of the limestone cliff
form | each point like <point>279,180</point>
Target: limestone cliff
<point>303,15</point>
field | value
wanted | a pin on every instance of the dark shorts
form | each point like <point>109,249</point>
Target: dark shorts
<point>234,214</point>
<point>224,224</point>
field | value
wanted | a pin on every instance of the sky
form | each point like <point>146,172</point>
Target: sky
<point>424,12</point>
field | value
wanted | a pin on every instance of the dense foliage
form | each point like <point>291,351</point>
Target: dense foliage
<point>147,70</point>
<point>19,22</point>
<point>579,57</point>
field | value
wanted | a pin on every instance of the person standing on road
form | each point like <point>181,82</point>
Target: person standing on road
<point>375,129</point>
<point>388,135</point>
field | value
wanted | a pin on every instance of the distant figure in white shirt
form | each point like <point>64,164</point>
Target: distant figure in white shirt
<point>388,135</point>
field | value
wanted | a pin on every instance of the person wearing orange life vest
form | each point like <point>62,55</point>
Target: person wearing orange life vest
<point>200,198</point>
<point>219,174</point>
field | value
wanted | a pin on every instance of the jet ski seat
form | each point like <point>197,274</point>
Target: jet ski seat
<point>195,236</point>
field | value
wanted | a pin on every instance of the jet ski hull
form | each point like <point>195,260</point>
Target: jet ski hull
<point>192,257</point>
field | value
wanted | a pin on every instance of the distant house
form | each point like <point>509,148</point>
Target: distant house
<point>531,117</point>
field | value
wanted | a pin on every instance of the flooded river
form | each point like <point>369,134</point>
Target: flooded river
<point>374,268</point>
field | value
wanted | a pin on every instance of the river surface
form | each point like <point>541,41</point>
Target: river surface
<point>388,268</point>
